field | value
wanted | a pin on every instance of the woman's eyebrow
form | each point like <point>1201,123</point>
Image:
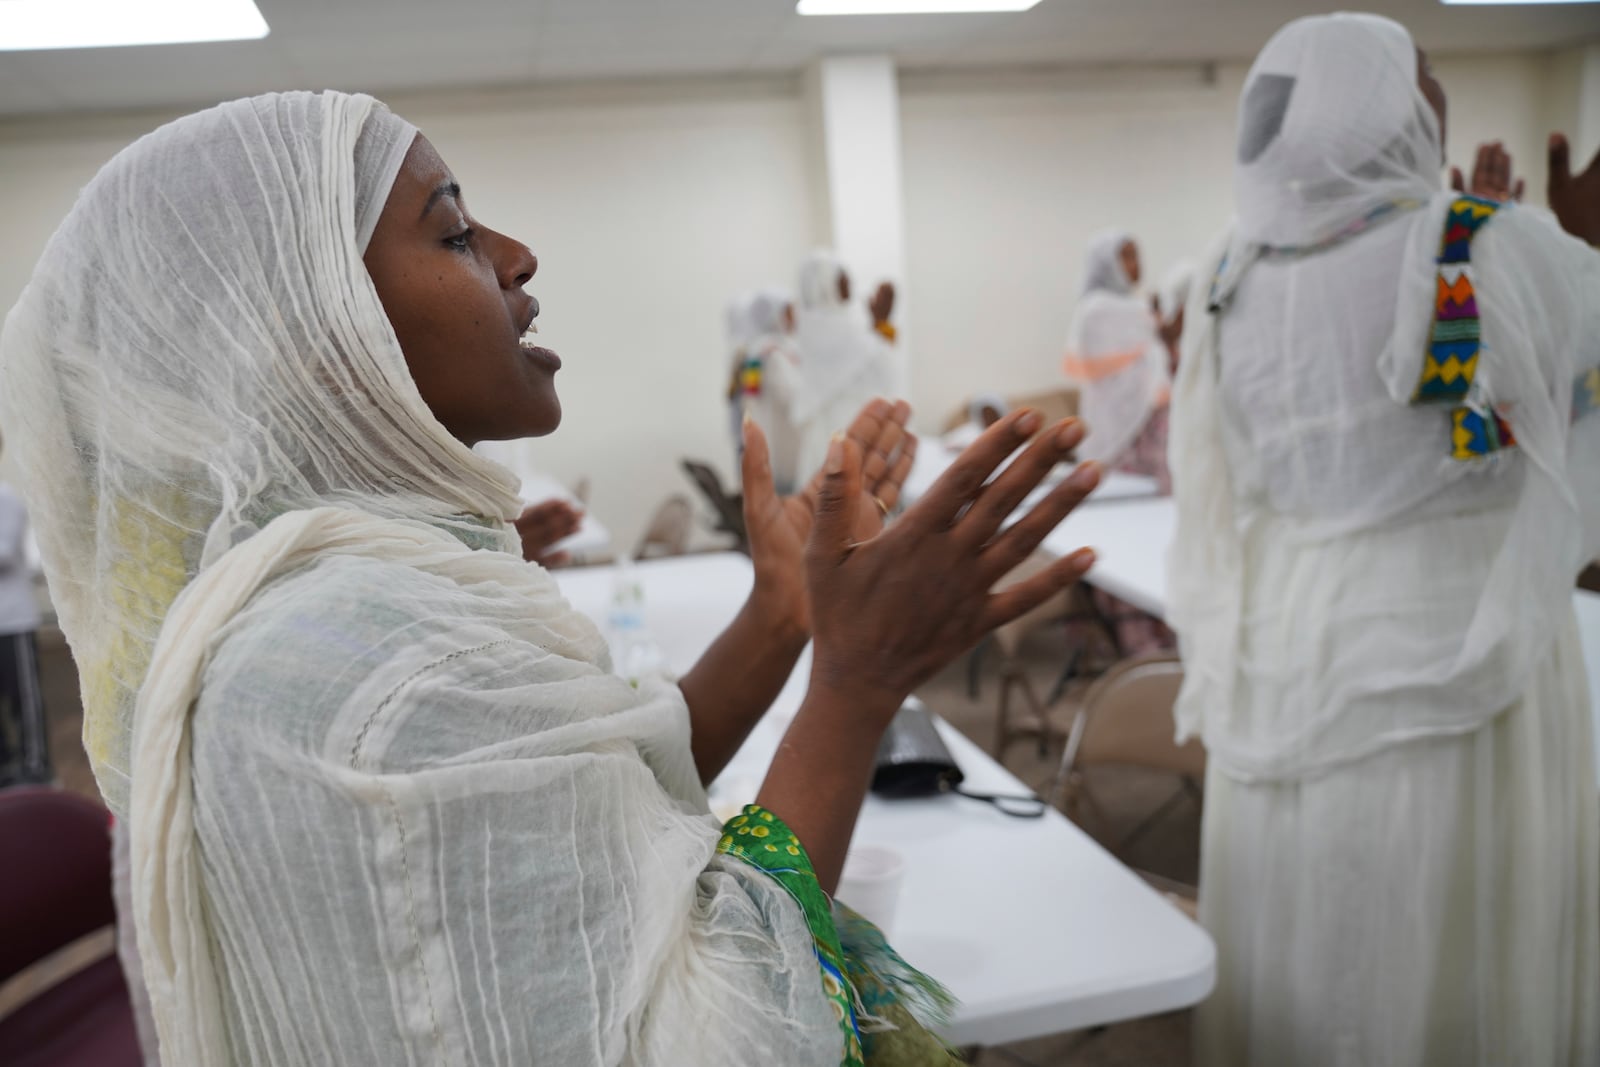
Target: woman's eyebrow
<point>450,189</point>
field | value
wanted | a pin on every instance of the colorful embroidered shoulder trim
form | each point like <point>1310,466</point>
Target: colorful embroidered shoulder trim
<point>762,840</point>
<point>1451,360</point>
<point>750,377</point>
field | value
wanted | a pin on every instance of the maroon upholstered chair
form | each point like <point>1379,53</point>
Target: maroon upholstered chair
<point>55,849</point>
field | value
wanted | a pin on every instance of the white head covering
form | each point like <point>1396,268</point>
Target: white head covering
<point>1102,267</point>
<point>819,280</point>
<point>766,312</point>
<point>201,349</point>
<point>1321,441</point>
<point>1332,126</point>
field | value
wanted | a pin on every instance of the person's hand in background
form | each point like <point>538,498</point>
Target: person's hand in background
<point>1575,198</point>
<point>541,526</point>
<point>1491,175</point>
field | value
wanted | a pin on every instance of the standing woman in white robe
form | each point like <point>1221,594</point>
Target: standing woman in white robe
<point>844,362</point>
<point>738,330</point>
<point>1118,360</point>
<point>1386,485</point>
<point>770,379</point>
<point>387,801</point>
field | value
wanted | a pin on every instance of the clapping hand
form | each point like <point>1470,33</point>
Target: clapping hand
<point>778,527</point>
<point>891,610</point>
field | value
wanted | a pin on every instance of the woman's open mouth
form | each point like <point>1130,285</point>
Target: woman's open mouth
<point>543,356</point>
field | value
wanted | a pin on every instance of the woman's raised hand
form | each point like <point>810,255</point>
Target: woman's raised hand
<point>1491,175</point>
<point>1575,198</point>
<point>889,611</point>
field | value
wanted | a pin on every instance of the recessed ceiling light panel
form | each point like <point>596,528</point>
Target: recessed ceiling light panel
<point>909,7</point>
<point>30,24</point>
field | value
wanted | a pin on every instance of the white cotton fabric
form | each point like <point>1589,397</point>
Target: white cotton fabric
<point>773,408</point>
<point>1114,356</point>
<point>1175,286</point>
<point>1401,859</point>
<point>737,332</point>
<point>387,803</point>
<point>844,362</point>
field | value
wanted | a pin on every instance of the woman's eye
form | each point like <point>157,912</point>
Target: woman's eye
<point>461,241</point>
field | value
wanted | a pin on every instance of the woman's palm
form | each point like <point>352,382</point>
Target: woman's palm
<point>779,527</point>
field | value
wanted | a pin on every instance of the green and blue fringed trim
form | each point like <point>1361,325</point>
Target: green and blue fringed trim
<point>762,840</point>
<point>883,1005</point>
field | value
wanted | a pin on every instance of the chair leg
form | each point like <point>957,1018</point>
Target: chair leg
<point>975,668</point>
<point>1038,714</point>
<point>1064,679</point>
<point>1002,729</point>
<point>1150,820</point>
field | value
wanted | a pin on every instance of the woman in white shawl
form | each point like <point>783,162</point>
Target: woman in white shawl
<point>844,362</point>
<point>1386,484</point>
<point>387,802</point>
<point>770,380</point>
<point>1118,360</point>
<point>738,331</point>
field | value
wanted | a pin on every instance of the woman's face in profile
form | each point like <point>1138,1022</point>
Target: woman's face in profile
<point>453,291</point>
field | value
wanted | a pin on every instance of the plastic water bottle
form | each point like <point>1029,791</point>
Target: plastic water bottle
<point>634,653</point>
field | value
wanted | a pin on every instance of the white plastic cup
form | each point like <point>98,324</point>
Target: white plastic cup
<point>870,883</point>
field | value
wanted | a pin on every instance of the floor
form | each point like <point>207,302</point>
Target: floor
<point>1170,848</point>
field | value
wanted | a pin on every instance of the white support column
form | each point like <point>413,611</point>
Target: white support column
<point>1586,135</point>
<point>854,104</point>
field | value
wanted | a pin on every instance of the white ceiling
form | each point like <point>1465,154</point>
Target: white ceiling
<point>398,45</point>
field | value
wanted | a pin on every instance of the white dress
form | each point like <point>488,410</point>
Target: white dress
<point>1387,886</point>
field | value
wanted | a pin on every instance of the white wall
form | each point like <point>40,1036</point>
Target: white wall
<point>1008,175</point>
<point>649,205</point>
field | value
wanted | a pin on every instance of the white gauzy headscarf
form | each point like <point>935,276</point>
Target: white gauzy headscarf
<point>1102,268</point>
<point>1332,127</point>
<point>820,273</point>
<point>766,311</point>
<point>1337,139</point>
<point>1114,356</point>
<point>200,349</point>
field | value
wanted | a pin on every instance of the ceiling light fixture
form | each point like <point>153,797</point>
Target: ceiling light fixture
<point>909,7</point>
<point>31,24</point>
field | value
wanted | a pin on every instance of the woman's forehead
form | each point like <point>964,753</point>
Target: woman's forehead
<point>423,173</point>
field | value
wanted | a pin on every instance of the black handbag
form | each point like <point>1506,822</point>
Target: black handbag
<point>913,761</point>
